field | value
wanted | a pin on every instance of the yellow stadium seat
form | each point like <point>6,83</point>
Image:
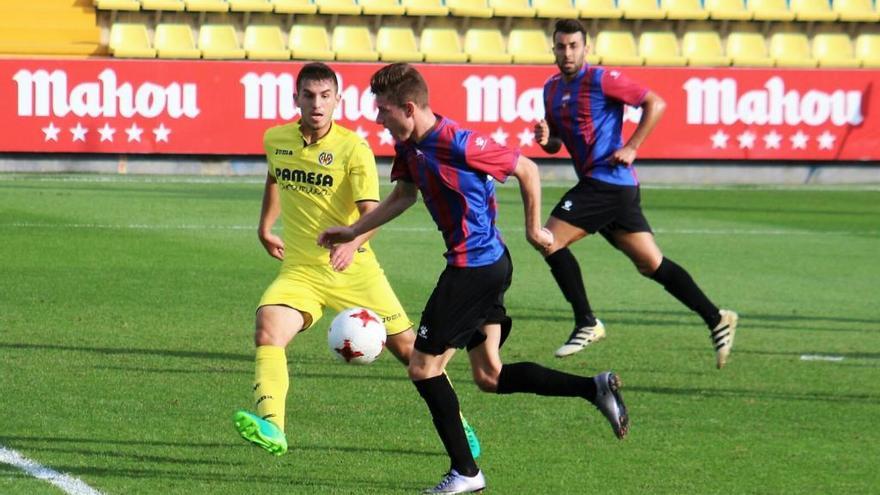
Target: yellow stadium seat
<point>339,7</point>
<point>748,50</point>
<point>834,50</point>
<point>734,10</point>
<point>512,8</point>
<point>397,44</point>
<point>770,10</point>
<point>175,41</point>
<point>353,43</point>
<point>118,4</point>
<point>469,8</point>
<point>425,7</point>
<point>310,42</point>
<point>855,10</point>
<point>219,41</point>
<point>791,50</point>
<point>684,9</point>
<point>813,10</point>
<point>294,6</point>
<point>207,5</point>
<point>703,48</point>
<point>617,48</point>
<point>485,46</point>
<point>441,44</point>
<point>265,43</point>
<point>168,5</point>
<point>868,50</point>
<point>641,9</point>
<point>382,7</point>
<point>554,9</point>
<point>130,41</point>
<point>250,5</point>
<point>529,46</point>
<point>660,48</point>
<point>598,9</point>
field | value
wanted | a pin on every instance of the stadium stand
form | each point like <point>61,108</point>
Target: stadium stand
<point>770,10</point>
<point>311,42</point>
<point>728,10</point>
<point>382,7</point>
<point>397,44</point>
<point>486,46</point>
<point>425,7</point>
<point>684,9</point>
<point>529,46</point>
<point>166,5</point>
<point>338,7</point>
<point>352,43</point>
<point>440,43</point>
<point>512,8</point>
<point>813,10</point>
<point>598,9</point>
<point>294,7</point>
<point>617,48</point>
<point>834,50</point>
<point>207,5</point>
<point>791,50</point>
<point>469,8</point>
<point>868,50</point>
<point>703,48</point>
<point>130,41</point>
<point>660,48</point>
<point>250,6</point>
<point>748,50</point>
<point>50,27</point>
<point>265,43</point>
<point>641,9</point>
<point>175,41</point>
<point>855,10</point>
<point>219,41</point>
<point>554,9</point>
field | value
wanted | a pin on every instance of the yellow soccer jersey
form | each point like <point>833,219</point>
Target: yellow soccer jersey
<point>318,185</point>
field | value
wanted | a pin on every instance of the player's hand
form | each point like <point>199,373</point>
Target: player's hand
<point>341,255</point>
<point>542,133</point>
<point>540,239</point>
<point>624,156</point>
<point>273,245</point>
<point>335,235</point>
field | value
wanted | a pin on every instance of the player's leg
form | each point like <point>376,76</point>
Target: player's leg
<point>642,250</point>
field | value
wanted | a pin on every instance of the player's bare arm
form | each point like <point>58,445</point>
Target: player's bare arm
<point>268,215</point>
<point>402,197</point>
<point>341,255</point>
<point>526,172</point>
<point>547,141</point>
<point>652,109</point>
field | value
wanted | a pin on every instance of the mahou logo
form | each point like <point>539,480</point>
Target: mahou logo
<point>490,99</point>
<point>712,101</point>
<point>270,96</point>
<point>46,94</point>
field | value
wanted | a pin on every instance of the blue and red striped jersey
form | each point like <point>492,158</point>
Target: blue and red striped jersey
<point>587,114</point>
<point>455,169</point>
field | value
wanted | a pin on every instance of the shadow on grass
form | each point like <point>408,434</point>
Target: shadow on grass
<point>129,351</point>
<point>758,394</point>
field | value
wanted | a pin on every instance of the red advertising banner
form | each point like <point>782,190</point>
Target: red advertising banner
<point>207,107</point>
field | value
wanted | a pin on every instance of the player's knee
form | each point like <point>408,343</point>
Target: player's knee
<point>270,335</point>
<point>486,379</point>
<point>646,269</point>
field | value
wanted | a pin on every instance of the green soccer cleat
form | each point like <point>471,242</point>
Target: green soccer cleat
<point>260,432</point>
<point>471,434</point>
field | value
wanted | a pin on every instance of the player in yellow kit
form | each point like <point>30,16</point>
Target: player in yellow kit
<point>320,174</point>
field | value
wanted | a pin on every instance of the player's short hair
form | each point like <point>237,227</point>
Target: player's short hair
<point>316,71</point>
<point>400,83</point>
<point>569,26</point>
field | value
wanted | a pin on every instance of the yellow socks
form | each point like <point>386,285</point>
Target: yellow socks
<point>270,383</point>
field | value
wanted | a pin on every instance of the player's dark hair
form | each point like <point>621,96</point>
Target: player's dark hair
<point>400,83</point>
<point>569,26</point>
<point>316,71</point>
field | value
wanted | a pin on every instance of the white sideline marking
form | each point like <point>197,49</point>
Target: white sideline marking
<point>148,226</point>
<point>67,483</point>
<point>819,357</point>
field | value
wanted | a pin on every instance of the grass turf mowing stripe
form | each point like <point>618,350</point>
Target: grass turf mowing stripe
<point>67,483</point>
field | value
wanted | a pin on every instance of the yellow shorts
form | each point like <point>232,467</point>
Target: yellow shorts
<point>311,288</point>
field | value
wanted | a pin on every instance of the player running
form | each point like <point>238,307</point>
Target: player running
<point>320,174</point>
<point>455,169</point>
<point>584,111</point>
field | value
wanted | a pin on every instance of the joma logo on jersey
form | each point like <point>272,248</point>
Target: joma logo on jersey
<point>325,158</point>
<point>283,152</point>
<point>304,177</point>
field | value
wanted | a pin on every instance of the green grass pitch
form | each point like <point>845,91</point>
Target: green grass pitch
<point>126,308</point>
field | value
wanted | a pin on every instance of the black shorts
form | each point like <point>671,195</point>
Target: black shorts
<point>597,206</point>
<point>463,301</point>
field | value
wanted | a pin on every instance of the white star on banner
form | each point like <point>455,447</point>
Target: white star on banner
<point>826,141</point>
<point>51,132</point>
<point>772,140</point>
<point>79,132</point>
<point>134,133</point>
<point>799,141</point>
<point>361,132</point>
<point>719,139</point>
<point>385,137</point>
<point>747,140</point>
<point>526,137</point>
<point>499,136</point>
<point>106,132</point>
<point>161,133</point>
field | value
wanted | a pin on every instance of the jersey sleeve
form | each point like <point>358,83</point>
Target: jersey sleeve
<point>400,165</point>
<point>620,87</point>
<point>362,173</point>
<point>485,155</point>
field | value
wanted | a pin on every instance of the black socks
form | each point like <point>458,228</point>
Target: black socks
<point>536,379</point>
<point>679,283</point>
<point>443,404</point>
<point>567,272</point>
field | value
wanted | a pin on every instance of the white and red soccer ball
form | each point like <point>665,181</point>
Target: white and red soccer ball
<point>356,336</point>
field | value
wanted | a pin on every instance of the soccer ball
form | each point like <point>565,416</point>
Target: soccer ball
<point>356,336</point>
